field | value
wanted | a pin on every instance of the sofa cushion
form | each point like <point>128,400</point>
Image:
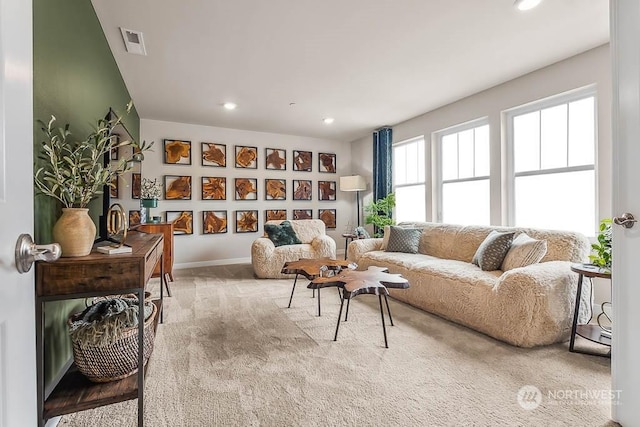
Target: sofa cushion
<point>403,240</point>
<point>282,234</point>
<point>492,251</point>
<point>524,251</point>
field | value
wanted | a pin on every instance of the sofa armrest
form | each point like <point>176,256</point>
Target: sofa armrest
<point>359,246</point>
<point>544,293</point>
<point>324,246</point>
<point>262,249</point>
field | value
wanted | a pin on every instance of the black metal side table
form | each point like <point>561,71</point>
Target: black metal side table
<point>588,331</point>
<point>348,237</point>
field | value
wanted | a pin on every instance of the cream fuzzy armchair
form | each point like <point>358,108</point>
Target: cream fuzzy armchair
<point>267,259</point>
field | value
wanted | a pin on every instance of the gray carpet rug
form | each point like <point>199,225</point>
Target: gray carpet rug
<point>231,354</point>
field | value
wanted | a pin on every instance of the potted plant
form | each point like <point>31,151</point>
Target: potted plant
<point>379,213</point>
<point>150,192</point>
<point>74,173</point>
<point>601,255</point>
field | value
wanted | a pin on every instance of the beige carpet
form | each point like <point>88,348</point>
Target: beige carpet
<point>231,354</point>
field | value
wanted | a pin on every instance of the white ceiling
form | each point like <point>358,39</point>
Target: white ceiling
<point>368,63</point>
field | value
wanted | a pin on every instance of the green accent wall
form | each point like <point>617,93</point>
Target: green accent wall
<point>76,79</point>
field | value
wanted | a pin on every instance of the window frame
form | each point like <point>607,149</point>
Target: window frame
<point>539,105</point>
<point>424,165</point>
<point>439,181</point>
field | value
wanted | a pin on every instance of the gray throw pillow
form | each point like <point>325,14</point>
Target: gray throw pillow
<point>403,240</point>
<point>492,251</point>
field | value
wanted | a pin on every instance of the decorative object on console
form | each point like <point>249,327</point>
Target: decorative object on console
<point>302,160</point>
<point>601,251</point>
<point>214,222</point>
<point>76,173</point>
<point>281,234</point>
<point>246,221</point>
<point>301,189</point>
<point>214,188</point>
<point>354,183</point>
<point>150,192</point>
<point>246,157</point>
<point>327,162</point>
<point>246,189</point>
<point>276,159</point>
<point>214,155</point>
<point>379,213</point>
<point>182,221</point>
<point>177,152</point>
<point>275,189</point>
<point>177,187</point>
<point>327,190</point>
<point>492,250</point>
<point>328,216</point>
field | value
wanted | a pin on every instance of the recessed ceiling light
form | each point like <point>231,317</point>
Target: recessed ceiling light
<point>328,120</point>
<point>526,4</point>
<point>230,105</point>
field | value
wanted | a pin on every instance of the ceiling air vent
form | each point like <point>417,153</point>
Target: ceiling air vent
<point>133,41</point>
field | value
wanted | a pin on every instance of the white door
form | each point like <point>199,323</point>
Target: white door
<point>17,306</point>
<point>625,352</point>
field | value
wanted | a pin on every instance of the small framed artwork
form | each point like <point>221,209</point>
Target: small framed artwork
<point>134,218</point>
<point>328,216</point>
<point>274,215</point>
<point>177,187</point>
<point>136,181</point>
<point>246,157</point>
<point>177,152</point>
<point>326,190</point>
<point>182,222</point>
<point>302,214</point>
<point>246,221</point>
<point>214,155</point>
<point>301,189</point>
<point>214,222</point>
<point>246,189</point>
<point>214,188</point>
<point>276,159</point>
<point>327,162</point>
<point>113,188</point>
<point>275,189</point>
<point>114,153</point>
<point>302,160</point>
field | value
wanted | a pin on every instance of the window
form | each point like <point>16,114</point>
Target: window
<point>464,178</point>
<point>409,180</point>
<point>553,164</point>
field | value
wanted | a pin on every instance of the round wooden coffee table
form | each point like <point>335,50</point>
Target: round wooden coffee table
<point>312,268</point>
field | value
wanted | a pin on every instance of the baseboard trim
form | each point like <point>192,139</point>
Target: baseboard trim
<point>212,263</point>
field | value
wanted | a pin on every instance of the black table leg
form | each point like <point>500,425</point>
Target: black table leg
<point>292,289</point>
<point>335,338</point>
<point>346,314</point>
<point>318,302</point>
<point>388,309</point>
<point>384,328</point>
<point>576,311</point>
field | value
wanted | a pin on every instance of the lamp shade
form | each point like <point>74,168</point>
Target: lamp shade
<point>352,183</point>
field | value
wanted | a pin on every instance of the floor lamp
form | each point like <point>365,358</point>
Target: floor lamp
<point>354,183</point>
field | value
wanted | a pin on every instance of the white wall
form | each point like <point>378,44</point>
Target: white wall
<point>199,249</point>
<point>591,67</point>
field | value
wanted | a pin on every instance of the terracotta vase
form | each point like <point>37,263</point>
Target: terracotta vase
<point>75,231</point>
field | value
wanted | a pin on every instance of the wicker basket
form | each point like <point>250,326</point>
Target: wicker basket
<point>117,360</point>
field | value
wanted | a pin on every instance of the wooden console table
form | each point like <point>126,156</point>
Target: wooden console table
<point>166,229</point>
<point>96,274</point>
<point>590,332</point>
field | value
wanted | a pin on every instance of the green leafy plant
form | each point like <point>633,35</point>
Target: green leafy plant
<point>74,173</point>
<point>601,255</point>
<point>379,213</point>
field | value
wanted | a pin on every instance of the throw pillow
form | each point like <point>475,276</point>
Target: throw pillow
<point>524,251</point>
<point>282,234</point>
<point>403,240</point>
<point>492,251</point>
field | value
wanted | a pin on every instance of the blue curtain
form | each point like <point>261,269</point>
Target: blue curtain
<point>382,171</point>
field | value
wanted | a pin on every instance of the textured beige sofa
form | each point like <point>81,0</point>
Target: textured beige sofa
<point>526,306</point>
<point>267,259</point>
